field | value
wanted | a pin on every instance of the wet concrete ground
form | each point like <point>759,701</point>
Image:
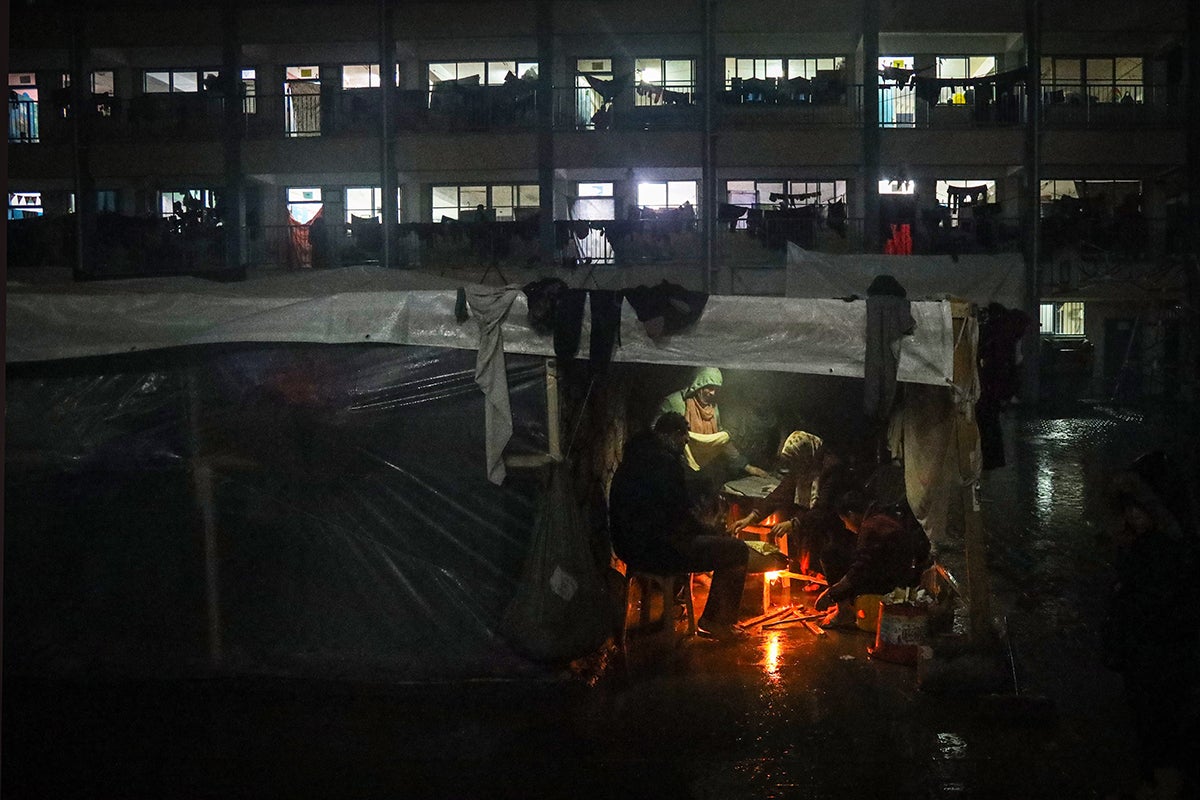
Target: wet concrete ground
<point>788,714</point>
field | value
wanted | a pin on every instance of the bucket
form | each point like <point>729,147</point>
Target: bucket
<point>866,612</point>
<point>902,629</point>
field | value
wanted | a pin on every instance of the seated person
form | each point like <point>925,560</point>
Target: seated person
<point>800,458</point>
<point>654,527</point>
<point>887,553</point>
<point>709,448</point>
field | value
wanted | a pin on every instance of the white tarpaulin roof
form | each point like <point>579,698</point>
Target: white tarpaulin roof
<point>977,278</point>
<point>369,304</point>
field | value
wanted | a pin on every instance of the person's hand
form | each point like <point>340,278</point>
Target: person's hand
<point>756,472</point>
<point>737,525</point>
<point>781,530</point>
<point>823,601</point>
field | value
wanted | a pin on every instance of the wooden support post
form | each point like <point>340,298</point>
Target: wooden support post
<point>202,485</point>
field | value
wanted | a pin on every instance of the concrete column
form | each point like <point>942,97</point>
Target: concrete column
<point>85,185</point>
<point>545,130</point>
<point>1031,197</point>
<point>387,102</point>
<point>871,137</point>
<point>233,120</point>
<point>708,192</point>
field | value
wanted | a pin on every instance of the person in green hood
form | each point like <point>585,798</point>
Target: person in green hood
<point>710,450</point>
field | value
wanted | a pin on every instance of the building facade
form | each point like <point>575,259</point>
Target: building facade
<point>691,138</point>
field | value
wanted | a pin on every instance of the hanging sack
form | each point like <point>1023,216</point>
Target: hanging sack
<point>560,610</point>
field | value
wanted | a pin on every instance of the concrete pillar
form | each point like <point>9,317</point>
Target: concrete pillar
<point>545,130</point>
<point>1031,198</point>
<point>387,102</point>
<point>231,137</point>
<point>871,138</point>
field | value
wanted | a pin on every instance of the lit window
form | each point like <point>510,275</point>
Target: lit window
<point>662,195</point>
<point>201,202</point>
<point>23,205</point>
<point>482,73</point>
<point>497,201</point>
<point>965,67</point>
<point>1061,319</point>
<point>366,202</point>
<point>22,107</point>
<point>1114,79</point>
<point>664,81</point>
<point>781,194</point>
<point>304,203</point>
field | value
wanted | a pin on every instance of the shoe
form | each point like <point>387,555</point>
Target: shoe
<point>721,633</point>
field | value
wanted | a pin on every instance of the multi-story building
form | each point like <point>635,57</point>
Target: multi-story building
<point>695,138</point>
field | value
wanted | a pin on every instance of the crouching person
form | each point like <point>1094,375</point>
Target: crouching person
<point>887,554</point>
<point>654,528</point>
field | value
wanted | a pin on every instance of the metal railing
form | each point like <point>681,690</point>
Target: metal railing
<point>23,120</point>
<point>1137,251</point>
<point>356,112</point>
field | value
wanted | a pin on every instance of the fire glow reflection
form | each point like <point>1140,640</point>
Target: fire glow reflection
<point>771,653</point>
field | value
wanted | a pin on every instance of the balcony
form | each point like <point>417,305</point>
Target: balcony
<point>745,106</point>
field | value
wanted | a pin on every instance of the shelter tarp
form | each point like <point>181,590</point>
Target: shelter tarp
<point>248,475</point>
<point>976,278</point>
<point>365,304</point>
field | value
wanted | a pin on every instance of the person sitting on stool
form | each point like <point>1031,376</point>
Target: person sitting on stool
<point>654,528</point>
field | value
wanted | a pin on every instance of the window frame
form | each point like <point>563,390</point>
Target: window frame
<point>644,96</point>
<point>520,66</point>
<point>516,210</point>
<point>1108,90</point>
<point>376,201</point>
<point>199,73</point>
<point>1055,318</point>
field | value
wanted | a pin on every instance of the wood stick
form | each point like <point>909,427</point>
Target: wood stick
<point>764,617</point>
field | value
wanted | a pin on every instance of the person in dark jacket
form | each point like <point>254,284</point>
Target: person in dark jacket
<point>654,527</point>
<point>885,554</point>
<point>1151,636</point>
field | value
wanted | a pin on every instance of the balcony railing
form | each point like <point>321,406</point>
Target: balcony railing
<point>123,246</point>
<point>22,120</point>
<point>356,112</point>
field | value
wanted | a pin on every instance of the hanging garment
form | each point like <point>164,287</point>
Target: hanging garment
<point>555,308</point>
<point>666,308</point>
<point>490,306</point>
<point>889,317</point>
<point>606,326</point>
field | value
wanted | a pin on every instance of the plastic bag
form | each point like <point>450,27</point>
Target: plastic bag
<point>560,610</point>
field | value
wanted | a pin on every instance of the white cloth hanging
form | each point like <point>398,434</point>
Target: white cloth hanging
<point>490,305</point>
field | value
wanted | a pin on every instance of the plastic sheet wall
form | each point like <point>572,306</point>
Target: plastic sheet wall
<point>351,524</point>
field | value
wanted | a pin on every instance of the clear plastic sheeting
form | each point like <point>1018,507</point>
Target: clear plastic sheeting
<point>980,278</point>
<point>284,509</point>
<point>364,304</point>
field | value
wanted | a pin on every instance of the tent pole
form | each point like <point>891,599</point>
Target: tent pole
<point>553,420</point>
<point>202,486</point>
<point>978,584</point>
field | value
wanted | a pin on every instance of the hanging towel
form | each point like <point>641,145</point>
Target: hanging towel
<point>889,317</point>
<point>490,306</point>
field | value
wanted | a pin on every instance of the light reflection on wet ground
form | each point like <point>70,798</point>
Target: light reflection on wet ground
<point>790,714</point>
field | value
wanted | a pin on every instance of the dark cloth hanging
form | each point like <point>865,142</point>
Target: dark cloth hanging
<point>930,89</point>
<point>889,316</point>
<point>541,296</point>
<point>606,326</point>
<point>1000,330</point>
<point>556,309</point>
<point>568,322</point>
<point>666,308</point>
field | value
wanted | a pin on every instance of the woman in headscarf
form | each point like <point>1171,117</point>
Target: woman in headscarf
<point>709,447</point>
